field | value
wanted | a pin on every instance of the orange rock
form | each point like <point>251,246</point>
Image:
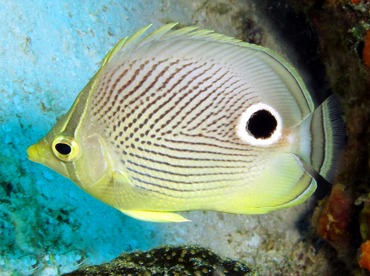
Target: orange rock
<point>366,50</point>
<point>335,217</point>
<point>364,261</point>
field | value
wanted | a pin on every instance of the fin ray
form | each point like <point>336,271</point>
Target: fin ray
<point>124,43</point>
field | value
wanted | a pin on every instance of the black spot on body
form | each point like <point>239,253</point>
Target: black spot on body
<point>262,124</point>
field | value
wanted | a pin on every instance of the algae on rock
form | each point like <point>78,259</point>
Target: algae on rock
<point>186,260</point>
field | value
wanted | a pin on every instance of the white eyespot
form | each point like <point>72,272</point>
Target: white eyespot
<point>259,125</point>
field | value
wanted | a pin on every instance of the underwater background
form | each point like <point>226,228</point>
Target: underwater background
<point>50,49</point>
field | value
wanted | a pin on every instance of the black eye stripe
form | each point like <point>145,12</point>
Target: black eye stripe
<point>63,148</point>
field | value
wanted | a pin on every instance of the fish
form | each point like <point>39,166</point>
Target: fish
<point>185,119</point>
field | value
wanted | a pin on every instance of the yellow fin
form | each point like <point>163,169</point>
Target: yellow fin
<point>289,180</point>
<point>160,32</point>
<point>154,216</point>
<point>284,183</point>
<point>114,50</point>
<point>124,43</point>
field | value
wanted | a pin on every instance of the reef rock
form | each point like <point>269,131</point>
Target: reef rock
<point>167,260</point>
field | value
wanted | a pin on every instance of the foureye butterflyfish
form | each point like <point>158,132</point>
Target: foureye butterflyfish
<point>188,119</point>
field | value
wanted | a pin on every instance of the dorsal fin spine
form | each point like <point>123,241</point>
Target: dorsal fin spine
<point>123,43</point>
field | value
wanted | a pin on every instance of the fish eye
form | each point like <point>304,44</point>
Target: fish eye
<point>259,125</point>
<point>65,148</point>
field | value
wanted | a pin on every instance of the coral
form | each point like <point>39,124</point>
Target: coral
<point>343,30</point>
<point>366,50</point>
<point>365,217</point>
<point>335,217</point>
<point>364,261</point>
<point>187,260</point>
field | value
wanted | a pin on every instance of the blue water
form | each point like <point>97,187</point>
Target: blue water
<point>48,52</point>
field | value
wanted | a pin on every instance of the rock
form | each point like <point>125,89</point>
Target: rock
<point>168,260</point>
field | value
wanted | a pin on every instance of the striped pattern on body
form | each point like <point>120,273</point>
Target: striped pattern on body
<point>173,122</point>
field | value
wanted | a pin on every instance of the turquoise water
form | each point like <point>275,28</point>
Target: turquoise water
<point>48,52</point>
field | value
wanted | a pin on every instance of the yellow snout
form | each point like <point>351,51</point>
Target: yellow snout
<point>39,152</point>
<point>33,153</point>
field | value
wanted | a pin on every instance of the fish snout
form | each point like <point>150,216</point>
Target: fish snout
<point>37,152</point>
<point>33,153</point>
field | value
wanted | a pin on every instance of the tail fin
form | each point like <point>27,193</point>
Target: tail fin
<point>323,137</point>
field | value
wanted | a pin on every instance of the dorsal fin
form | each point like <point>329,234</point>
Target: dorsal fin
<point>167,32</point>
<point>191,41</point>
<point>125,42</point>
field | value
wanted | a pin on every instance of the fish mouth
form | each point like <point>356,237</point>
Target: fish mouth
<point>34,153</point>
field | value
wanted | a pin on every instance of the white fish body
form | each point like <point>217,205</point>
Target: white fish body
<point>189,119</point>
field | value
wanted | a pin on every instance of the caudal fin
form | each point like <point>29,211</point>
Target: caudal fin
<point>327,132</point>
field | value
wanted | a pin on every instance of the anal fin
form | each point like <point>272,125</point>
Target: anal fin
<point>155,216</point>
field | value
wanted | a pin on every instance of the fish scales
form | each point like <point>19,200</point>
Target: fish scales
<point>184,88</point>
<point>158,110</point>
<point>188,119</point>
